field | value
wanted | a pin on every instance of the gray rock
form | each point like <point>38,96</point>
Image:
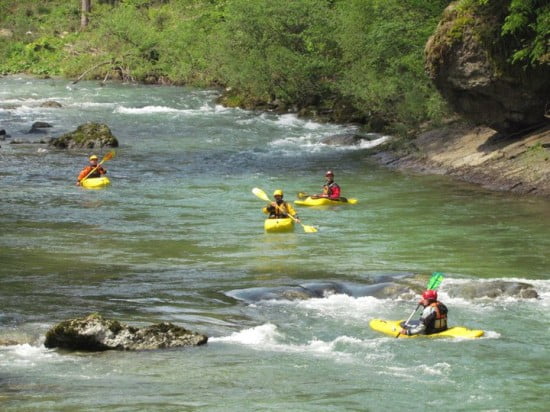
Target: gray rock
<point>38,127</point>
<point>473,73</point>
<point>51,103</point>
<point>86,136</point>
<point>95,333</point>
<point>494,289</point>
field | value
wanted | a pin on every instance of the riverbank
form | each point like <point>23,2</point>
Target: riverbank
<point>518,164</point>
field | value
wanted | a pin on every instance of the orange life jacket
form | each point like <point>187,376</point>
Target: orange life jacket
<point>440,322</point>
<point>96,173</point>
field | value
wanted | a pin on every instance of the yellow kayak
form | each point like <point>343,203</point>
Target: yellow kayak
<point>95,182</point>
<point>392,328</point>
<point>279,225</point>
<point>323,201</point>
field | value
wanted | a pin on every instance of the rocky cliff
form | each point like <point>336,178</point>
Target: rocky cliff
<point>470,63</point>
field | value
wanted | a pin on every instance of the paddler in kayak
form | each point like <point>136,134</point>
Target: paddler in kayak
<point>433,318</point>
<point>331,190</point>
<point>98,172</point>
<point>280,209</point>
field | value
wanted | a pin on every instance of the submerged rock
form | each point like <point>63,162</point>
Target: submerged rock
<point>95,333</point>
<point>494,289</point>
<point>39,127</point>
<point>86,136</point>
<point>51,104</point>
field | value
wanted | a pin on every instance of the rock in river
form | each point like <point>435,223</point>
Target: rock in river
<point>95,333</point>
<point>88,135</point>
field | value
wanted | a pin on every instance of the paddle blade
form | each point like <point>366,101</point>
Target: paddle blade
<point>435,281</point>
<point>109,155</point>
<point>352,201</point>
<point>302,195</point>
<point>309,229</point>
<point>261,194</point>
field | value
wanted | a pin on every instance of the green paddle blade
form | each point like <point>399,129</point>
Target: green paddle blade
<point>435,280</point>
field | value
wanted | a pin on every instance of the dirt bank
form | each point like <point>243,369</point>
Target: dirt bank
<point>480,155</point>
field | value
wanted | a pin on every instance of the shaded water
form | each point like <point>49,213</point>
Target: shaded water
<point>178,237</point>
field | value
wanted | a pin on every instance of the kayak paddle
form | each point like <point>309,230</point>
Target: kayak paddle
<point>351,200</point>
<point>262,195</point>
<point>108,156</point>
<point>433,283</point>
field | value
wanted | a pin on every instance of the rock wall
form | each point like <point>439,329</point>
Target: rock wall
<point>469,63</point>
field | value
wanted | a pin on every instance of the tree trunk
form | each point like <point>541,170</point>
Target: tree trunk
<point>86,7</point>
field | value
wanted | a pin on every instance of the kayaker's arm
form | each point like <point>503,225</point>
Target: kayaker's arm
<point>428,315</point>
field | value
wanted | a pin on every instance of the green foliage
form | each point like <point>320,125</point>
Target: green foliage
<point>278,50</point>
<point>383,50</point>
<point>524,31</point>
<point>362,57</point>
<point>529,23</point>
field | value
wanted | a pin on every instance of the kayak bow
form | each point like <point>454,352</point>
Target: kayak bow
<point>279,225</point>
<point>95,182</point>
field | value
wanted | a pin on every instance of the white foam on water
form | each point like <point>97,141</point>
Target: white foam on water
<point>268,337</point>
<point>27,355</point>
<point>340,306</point>
<point>425,373</point>
<point>259,335</point>
<point>313,143</point>
<point>307,141</point>
<point>368,144</point>
<point>147,110</point>
<point>94,104</point>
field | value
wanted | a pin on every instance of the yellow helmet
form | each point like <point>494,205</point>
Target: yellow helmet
<point>93,157</point>
<point>278,192</point>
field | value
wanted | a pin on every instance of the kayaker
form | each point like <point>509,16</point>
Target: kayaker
<point>331,190</point>
<point>279,208</point>
<point>98,172</point>
<point>433,318</point>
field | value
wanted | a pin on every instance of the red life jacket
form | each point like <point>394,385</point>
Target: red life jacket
<point>332,190</point>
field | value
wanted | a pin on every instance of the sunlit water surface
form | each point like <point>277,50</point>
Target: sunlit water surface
<point>179,235</point>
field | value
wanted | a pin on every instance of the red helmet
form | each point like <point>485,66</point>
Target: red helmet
<point>429,295</point>
<point>329,173</point>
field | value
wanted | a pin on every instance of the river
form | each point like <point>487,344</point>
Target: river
<point>178,237</point>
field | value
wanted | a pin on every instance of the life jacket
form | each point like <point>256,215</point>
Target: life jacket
<point>282,211</point>
<point>331,190</point>
<point>440,322</point>
<point>96,173</point>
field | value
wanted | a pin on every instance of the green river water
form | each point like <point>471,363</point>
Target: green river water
<point>178,237</point>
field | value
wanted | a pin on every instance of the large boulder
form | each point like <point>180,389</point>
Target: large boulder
<point>95,333</point>
<point>86,136</point>
<point>470,64</point>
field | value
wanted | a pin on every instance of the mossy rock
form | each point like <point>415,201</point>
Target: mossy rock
<point>95,333</point>
<point>87,136</point>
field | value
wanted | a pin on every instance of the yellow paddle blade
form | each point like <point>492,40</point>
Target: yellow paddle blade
<point>352,201</point>
<point>109,156</point>
<point>261,194</point>
<point>309,229</point>
<point>302,195</point>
